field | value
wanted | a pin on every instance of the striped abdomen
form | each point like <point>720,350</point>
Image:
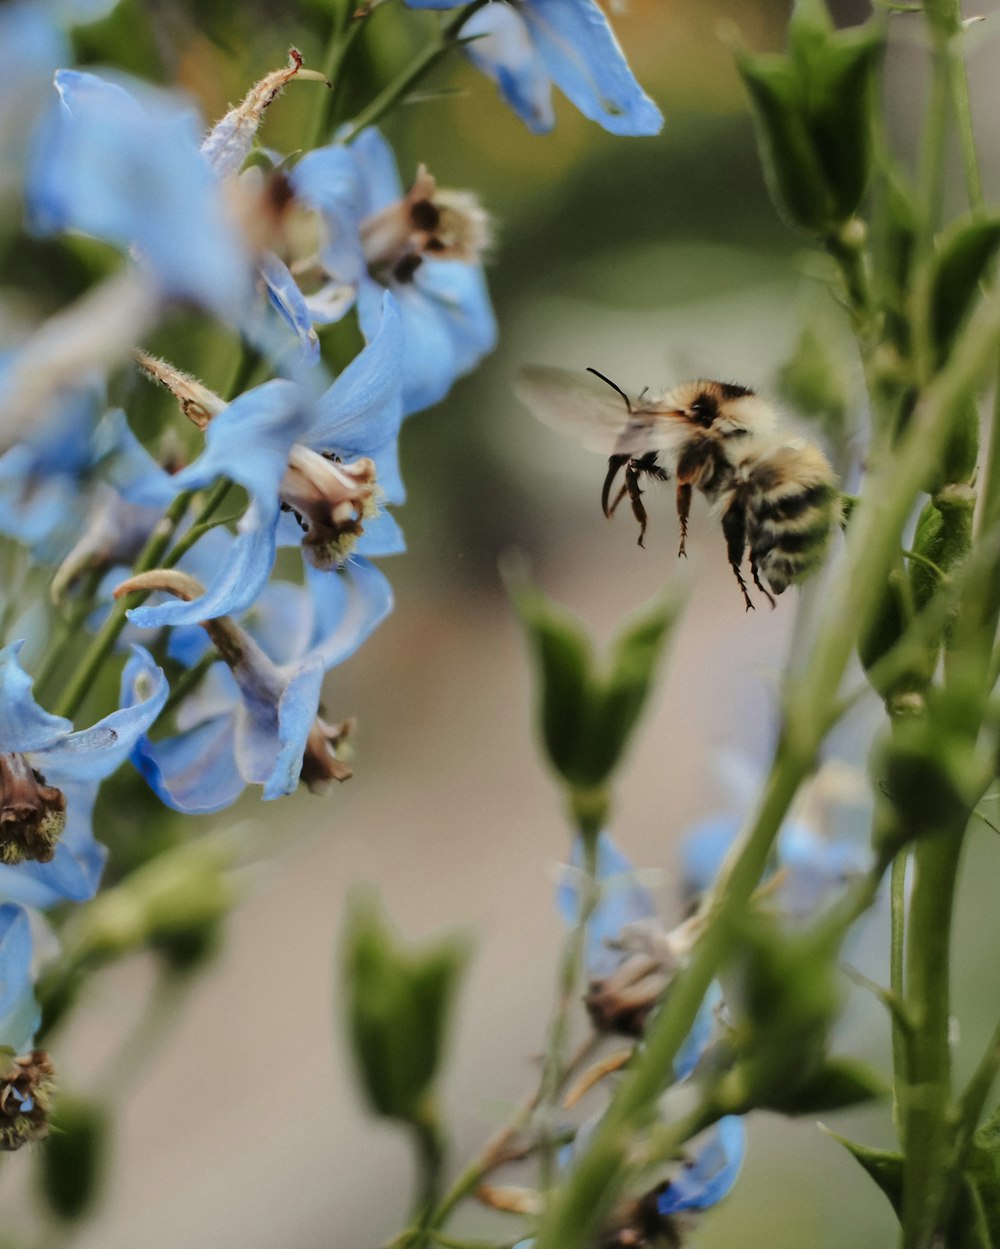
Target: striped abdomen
<point>792,506</point>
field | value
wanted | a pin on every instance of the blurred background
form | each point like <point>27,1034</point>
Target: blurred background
<point>653,260</point>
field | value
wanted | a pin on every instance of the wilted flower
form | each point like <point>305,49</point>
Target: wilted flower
<point>49,778</point>
<point>254,719</point>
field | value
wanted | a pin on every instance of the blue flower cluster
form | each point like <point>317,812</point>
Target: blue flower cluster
<point>310,459</point>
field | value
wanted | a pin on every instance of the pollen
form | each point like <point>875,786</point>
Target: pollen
<point>32,813</point>
<point>26,1092</point>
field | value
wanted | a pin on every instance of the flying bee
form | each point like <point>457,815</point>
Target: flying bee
<point>777,496</point>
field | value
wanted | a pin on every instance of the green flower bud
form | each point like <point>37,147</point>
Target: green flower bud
<point>74,1159</point>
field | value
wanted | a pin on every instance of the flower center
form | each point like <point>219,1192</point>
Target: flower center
<point>330,500</point>
<point>25,1099</point>
<point>32,814</point>
<point>449,225</point>
<point>320,764</point>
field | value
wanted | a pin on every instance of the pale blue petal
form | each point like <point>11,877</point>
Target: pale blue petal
<point>281,621</point>
<point>329,180</point>
<point>381,185</point>
<point>503,50</point>
<point>23,724</point>
<point>129,172</point>
<point>75,871</point>
<point>195,772</point>
<point>711,1172</point>
<point>623,901</point>
<point>696,1041</point>
<point>382,536</point>
<point>817,868</point>
<point>703,850</point>
<point>31,50</point>
<point>95,753</point>
<point>585,62</point>
<point>287,300</point>
<point>459,291</point>
<point>348,606</point>
<point>428,360</point>
<point>362,410</point>
<point>296,714</point>
<point>19,1013</point>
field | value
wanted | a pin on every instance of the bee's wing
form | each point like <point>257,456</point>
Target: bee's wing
<point>587,409</point>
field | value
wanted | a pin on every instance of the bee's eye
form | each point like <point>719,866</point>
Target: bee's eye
<point>704,409</point>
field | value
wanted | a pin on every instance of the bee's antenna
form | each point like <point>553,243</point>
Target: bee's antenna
<point>614,386</point>
<point>643,393</point>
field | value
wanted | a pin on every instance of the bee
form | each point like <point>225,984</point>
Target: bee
<point>777,496</point>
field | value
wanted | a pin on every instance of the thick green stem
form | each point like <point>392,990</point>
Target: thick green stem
<point>344,31</point>
<point>927,1129</point>
<point>897,947</point>
<point>963,121</point>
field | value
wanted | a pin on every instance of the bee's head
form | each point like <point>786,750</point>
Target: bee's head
<point>723,407</point>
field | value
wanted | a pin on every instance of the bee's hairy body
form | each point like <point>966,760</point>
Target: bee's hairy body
<point>777,497</point>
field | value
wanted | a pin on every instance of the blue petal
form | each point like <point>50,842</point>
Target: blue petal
<point>19,1013</point>
<point>817,868</point>
<point>703,850</point>
<point>503,50</point>
<point>381,185</point>
<point>75,871</point>
<point>361,412</point>
<point>31,50</point>
<point>287,300</point>
<point>712,1171</point>
<point>348,606</point>
<point>23,724</point>
<point>281,620</point>
<point>382,536</point>
<point>130,173</point>
<point>329,180</point>
<point>585,62</point>
<point>623,901</point>
<point>195,772</point>
<point>296,715</point>
<point>696,1041</point>
<point>95,753</point>
<point>459,290</point>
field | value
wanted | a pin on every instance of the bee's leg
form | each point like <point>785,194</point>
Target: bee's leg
<point>683,511</point>
<point>734,527</point>
<point>756,580</point>
<point>610,511</point>
<point>614,464</point>
<point>635,496</point>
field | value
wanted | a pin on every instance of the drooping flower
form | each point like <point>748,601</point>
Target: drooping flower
<point>526,46</point>
<point>321,456</point>
<point>424,245</point>
<point>27,1079</point>
<point>49,776</point>
<point>255,718</point>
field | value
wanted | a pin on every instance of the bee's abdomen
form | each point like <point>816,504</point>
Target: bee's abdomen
<point>792,509</point>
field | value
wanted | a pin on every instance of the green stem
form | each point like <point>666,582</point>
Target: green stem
<point>927,1098</point>
<point>872,544</point>
<point>418,68</point>
<point>570,967</point>
<point>430,1157</point>
<point>344,32</point>
<point>962,109</point>
<point>897,939</point>
<point>103,641</point>
<point>935,138</point>
<point>200,526</point>
<point>973,1099</point>
<point>68,634</point>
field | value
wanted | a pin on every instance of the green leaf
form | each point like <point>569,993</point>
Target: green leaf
<point>563,663</point>
<point>791,165</point>
<point>965,254</point>
<point>838,1083</point>
<point>620,698</point>
<point>398,1005</point>
<point>840,95</point>
<point>885,1167</point>
<point>73,1158</point>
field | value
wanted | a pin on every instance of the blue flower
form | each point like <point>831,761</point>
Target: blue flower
<point>49,778</point>
<point>19,1013</point>
<point>527,45</point>
<point>256,722</point>
<point>709,1172</point>
<point>124,166</point>
<point>629,960</point>
<point>423,245</point>
<point>329,458</point>
<point>48,479</point>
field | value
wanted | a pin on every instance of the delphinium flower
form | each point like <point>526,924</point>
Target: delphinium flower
<point>330,460</point>
<point>49,777</point>
<point>27,1079</point>
<point>425,245</point>
<point>526,46</point>
<point>254,719</point>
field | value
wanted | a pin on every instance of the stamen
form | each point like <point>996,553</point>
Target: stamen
<point>32,813</point>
